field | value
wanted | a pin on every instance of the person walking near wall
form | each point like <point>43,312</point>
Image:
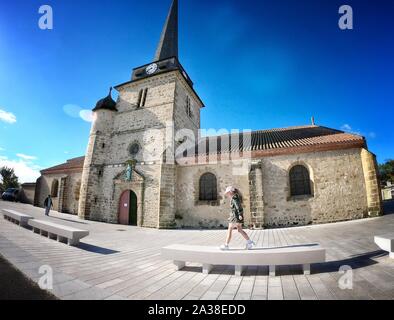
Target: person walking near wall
<point>48,204</point>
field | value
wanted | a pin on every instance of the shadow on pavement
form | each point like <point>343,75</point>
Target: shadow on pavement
<point>69,220</point>
<point>355,262</point>
<point>15,286</point>
<point>388,207</point>
<point>96,249</point>
<point>273,248</point>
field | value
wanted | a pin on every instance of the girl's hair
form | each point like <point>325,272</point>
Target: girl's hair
<point>238,192</point>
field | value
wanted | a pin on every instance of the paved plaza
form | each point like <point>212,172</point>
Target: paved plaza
<point>124,262</point>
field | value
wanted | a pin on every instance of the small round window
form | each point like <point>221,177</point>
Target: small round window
<point>134,149</point>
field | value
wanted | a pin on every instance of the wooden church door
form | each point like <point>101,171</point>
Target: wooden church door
<point>128,208</point>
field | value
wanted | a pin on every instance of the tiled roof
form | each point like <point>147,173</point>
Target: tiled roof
<point>259,143</point>
<point>28,184</point>
<point>269,141</point>
<point>75,164</point>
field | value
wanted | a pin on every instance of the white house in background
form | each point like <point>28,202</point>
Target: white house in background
<point>388,191</point>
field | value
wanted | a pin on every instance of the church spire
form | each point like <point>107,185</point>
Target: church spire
<point>168,45</point>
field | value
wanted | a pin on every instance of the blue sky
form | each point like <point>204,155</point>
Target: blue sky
<point>255,64</point>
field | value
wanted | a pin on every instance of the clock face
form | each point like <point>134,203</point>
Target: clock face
<point>151,68</point>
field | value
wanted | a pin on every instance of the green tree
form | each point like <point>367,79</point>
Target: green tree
<point>8,178</point>
<point>386,171</point>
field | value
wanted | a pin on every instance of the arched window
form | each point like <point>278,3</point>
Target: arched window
<point>300,183</point>
<point>208,187</point>
<point>55,188</point>
<point>77,190</point>
<point>189,111</point>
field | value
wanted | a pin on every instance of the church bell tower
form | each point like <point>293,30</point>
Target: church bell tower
<point>152,107</point>
<point>166,57</point>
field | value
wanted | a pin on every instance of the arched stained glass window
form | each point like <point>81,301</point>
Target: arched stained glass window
<point>300,183</point>
<point>55,188</point>
<point>208,187</point>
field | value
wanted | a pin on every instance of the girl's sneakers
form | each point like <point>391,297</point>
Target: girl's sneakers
<point>250,245</point>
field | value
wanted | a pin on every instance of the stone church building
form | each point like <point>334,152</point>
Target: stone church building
<point>147,165</point>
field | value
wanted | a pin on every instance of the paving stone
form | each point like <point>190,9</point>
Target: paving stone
<point>113,265</point>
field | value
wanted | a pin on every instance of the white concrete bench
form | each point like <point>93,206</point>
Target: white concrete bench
<point>303,255</point>
<point>386,243</point>
<point>16,217</point>
<point>58,232</point>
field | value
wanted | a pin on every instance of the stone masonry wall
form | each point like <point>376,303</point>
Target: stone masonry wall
<point>43,189</point>
<point>167,196</point>
<point>67,200</point>
<point>372,183</point>
<point>71,193</point>
<point>181,118</point>
<point>190,212</point>
<point>97,150</point>
<point>338,186</point>
<point>337,179</point>
<point>27,193</point>
<point>256,195</point>
<point>109,147</point>
<point>106,209</point>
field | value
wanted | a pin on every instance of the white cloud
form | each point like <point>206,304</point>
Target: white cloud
<point>347,128</point>
<point>26,172</point>
<point>26,157</point>
<point>372,135</point>
<point>7,117</point>
<point>24,168</point>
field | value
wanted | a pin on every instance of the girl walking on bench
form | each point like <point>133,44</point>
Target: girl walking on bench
<point>236,219</point>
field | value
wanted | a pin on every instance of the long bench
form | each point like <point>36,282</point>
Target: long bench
<point>303,255</point>
<point>386,243</point>
<point>16,217</point>
<point>58,232</point>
